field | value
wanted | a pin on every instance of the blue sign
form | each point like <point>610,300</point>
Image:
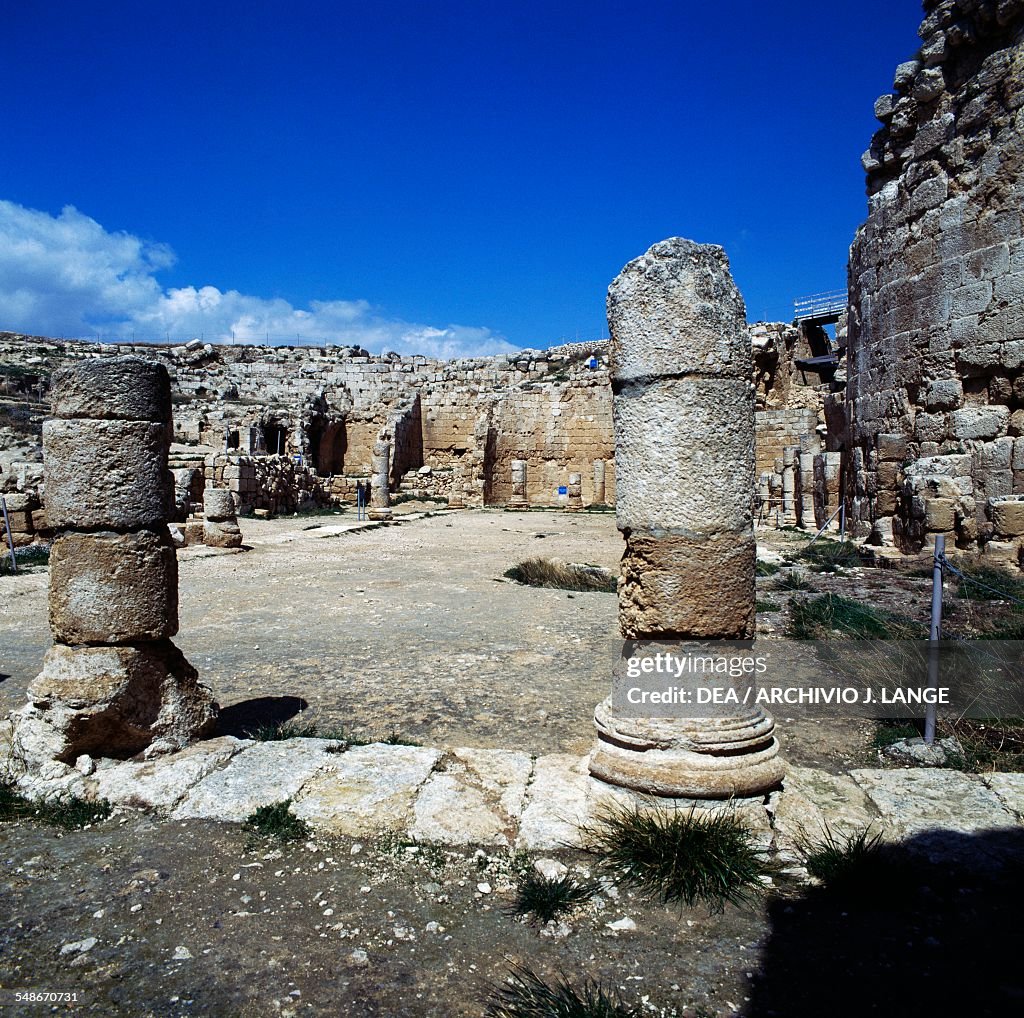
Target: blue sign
<point>563,490</point>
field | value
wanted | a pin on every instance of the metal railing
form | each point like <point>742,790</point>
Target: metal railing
<point>820,305</point>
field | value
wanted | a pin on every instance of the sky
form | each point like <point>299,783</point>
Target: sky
<point>442,177</point>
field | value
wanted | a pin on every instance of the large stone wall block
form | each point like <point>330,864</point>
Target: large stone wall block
<point>107,473</point>
<point>694,472</point>
<point>684,314</point>
<point>120,388</point>
<point>113,701</point>
<point>113,588</point>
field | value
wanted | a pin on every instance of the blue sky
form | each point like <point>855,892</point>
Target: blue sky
<point>445,176</point>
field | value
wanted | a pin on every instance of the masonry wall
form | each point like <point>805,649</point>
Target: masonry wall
<point>935,402</point>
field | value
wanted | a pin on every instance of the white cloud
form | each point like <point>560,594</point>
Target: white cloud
<point>67,276</point>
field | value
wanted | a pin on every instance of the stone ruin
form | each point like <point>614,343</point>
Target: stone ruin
<point>932,427</point>
<point>113,684</point>
<point>684,429</point>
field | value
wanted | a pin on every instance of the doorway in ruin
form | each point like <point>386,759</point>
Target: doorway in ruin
<point>327,446</point>
<point>275,438</point>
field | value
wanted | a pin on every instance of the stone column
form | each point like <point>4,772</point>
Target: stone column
<point>789,466</point>
<point>519,499</point>
<point>683,410</point>
<point>457,495</point>
<point>113,684</point>
<point>806,499</point>
<point>220,519</point>
<point>575,491</point>
<point>599,489</point>
<point>380,469</point>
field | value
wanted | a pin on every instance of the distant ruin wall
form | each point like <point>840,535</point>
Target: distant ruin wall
<point>935,399</point>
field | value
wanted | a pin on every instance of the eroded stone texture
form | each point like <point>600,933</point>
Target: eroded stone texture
<point>112,701</point>
<point>380,496</point>
<point>113,588</point>
<point>103,473</point>
<point>113,577</point>
<point>684,460</point>
<point>575,493</point>
<point>936,279</point>
<point>130,389</point>
<point>220,523</point>
<point>519,497</point>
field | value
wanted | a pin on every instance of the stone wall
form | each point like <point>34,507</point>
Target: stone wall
<point>242,405</point>
<point>935,402</point>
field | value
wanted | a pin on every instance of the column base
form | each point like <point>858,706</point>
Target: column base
<point>693,758</point>
<point>379,514</point>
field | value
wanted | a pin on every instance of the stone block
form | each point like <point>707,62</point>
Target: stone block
<point>125,388</point>
<point>671,333</point>
<point>113,701</point>
<point>1007,515</point>
<point>694,472</point>
<point>107,473</point>
<point>699,585</point>
<point>979,422</point>
<point>892,448</point>
<point>218,504</point>
<point>111,588</point>
<point>939,514</point>
<point>944,394</point>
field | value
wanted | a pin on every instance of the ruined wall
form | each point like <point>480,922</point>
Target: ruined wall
<point>935,402</point>
<point>550,408</point>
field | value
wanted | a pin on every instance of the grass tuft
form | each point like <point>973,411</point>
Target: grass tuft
<point>767,605</point>
<point>829,615</point>
<point>845,863</point>
<point>68,811</point>
<point>543,572</point>
<point>278,822</point>
<point>527,995</point>
<point>793,580</point>
<point>889,730</point>
<point>766,568</point>
<point>1006,583</point>
<point>677,855</point>
<point>828,556</point>
<point>546,898</point>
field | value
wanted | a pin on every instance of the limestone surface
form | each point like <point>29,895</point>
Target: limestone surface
<point>107,473</point>
<point>122,388</point>
<point>107,587</point>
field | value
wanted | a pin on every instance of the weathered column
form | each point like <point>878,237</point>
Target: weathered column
<point>220,519</point>
<point>683,408</point>
<point>789,464</point>
<point>806,500</point>
<point>113,684</point>
<point>380,470</point>
<point>575,492</point>
<point>457,494</point>
<point>519,498</point>
<point>599,488</point>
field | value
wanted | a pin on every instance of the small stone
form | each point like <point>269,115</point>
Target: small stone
<point>79,946</point>
<point>623,925</point>
<point>85,764</point>
<point>181,954</point>
<point>358,957</point>
<point>484,887</point>
<point>550,869</point>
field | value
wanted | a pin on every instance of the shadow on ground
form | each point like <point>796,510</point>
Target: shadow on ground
<point>244,718</point>
<point>929,927</point>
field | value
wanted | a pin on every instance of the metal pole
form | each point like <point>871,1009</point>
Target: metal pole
<point>934,636</point>
<point>10,540</point>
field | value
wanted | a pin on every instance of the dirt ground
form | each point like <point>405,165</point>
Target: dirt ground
<point>412,628</point>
